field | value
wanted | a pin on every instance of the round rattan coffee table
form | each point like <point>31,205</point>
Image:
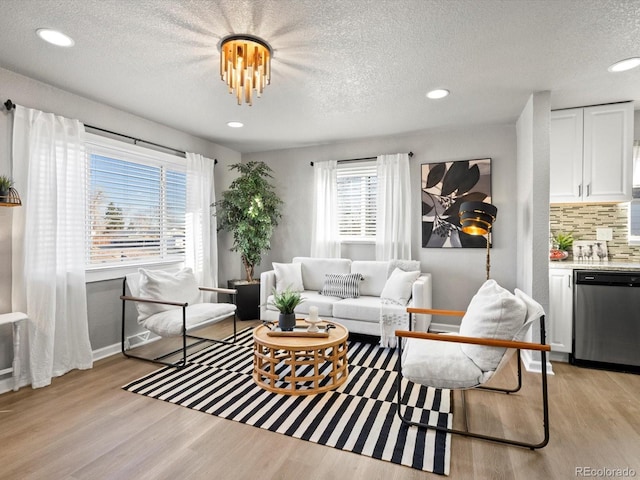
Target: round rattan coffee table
<point>300,365</point>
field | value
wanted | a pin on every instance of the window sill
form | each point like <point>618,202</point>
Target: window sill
<point>354,241</point>
<point>100,274</point>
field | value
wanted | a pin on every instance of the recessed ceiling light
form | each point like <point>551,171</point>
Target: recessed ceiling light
<point>624,65</point>
<point>55,37</point>
<point>438,93</point>
<point>235,124</point>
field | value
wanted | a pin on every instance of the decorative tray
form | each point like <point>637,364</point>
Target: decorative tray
<point>298,331</point>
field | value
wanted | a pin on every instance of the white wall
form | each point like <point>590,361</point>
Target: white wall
<point>103,301</point>
<point>457,273</point>
<point>532,196</point>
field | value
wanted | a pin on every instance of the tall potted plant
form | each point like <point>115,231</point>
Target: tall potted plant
<point>249,210</point>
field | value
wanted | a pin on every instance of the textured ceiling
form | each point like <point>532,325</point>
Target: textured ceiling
<point>341,69</point>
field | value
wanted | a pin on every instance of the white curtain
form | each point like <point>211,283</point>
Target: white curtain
<point>48,243</point>
<point>201,238</point>
<point>393,226</point>
<point>325,236</point>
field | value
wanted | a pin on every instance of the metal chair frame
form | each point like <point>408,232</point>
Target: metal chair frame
<point>541,347</point>
<point>185,346</point>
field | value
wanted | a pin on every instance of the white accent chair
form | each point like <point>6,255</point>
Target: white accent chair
<point>170,304</point>
<point>492,328</point>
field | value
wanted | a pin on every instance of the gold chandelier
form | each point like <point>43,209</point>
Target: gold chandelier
<point>245,65</point>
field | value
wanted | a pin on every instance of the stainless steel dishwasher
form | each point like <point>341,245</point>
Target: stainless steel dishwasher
<point>606,320</point>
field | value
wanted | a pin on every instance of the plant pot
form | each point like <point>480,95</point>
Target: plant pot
<point>247,300</point>
<point>286,321</point>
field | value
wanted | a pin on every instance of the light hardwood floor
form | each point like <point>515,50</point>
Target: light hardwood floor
<point>84,426</point>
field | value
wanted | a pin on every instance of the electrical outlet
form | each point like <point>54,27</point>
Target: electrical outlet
<point>604,234</point>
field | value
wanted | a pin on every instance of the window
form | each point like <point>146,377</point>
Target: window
<point>136,202</point>
<point>634,206</point>
<point>357,184</point>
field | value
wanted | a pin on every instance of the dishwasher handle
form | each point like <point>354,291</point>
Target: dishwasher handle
<point>608,278</point>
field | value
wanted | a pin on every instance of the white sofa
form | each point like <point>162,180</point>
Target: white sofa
<point>359,315</point>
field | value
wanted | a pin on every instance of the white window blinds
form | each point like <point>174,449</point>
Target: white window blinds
<point>357,185</point>
<point>136,205</point>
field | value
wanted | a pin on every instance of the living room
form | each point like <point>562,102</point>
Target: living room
<point>518,148</point>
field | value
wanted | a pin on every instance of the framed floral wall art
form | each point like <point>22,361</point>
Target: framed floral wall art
<point>445,186</point>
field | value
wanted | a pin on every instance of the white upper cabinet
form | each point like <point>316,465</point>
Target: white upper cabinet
<point>591,154</point>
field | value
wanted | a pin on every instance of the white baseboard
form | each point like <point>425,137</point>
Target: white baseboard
<point>133,341</point>
<point>534,365</point>
<point>6,384</point>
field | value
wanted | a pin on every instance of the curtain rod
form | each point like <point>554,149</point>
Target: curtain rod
<point>10,106</point>
<point>360,159</point>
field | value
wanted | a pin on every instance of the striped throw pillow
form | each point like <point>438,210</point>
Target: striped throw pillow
<point>343,285</point>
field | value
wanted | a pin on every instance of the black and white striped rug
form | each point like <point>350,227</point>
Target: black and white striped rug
<point>359,416</point>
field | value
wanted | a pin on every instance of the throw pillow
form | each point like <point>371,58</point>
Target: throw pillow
<point>398,286</point>
<point>180,286</point>
<point>343,285</point>
<point>493,312</point>
<point>288,275</point>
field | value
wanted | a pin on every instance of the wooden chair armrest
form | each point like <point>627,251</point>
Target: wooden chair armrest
<point>453,313</point>
<point>230,291</point>
<point>489,342</point>
<point>150,300</point>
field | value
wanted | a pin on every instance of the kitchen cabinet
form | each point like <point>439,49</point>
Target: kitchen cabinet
<point>560,315</point>
<point>591,154</point>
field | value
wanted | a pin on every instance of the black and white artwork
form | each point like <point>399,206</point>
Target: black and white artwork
<point>445,186</point>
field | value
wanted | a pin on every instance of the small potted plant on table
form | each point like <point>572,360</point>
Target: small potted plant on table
<point>286,301</point>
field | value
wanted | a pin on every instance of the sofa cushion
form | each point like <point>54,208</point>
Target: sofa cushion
<point>398,286</point>
<point>343,285</point>
<point>493,312</point>
<point>324,304</point>
<point>374,275</point>
<point>177,286</point>
<point>365,308</point>
<point>314,270</point>
<point>288,275</point>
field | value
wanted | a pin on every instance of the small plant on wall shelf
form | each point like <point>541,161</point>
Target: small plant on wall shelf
<point>5,185</point>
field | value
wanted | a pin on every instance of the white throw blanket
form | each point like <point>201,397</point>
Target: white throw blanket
<point>391,319</point>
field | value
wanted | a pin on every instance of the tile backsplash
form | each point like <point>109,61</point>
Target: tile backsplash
<point>582,221</point>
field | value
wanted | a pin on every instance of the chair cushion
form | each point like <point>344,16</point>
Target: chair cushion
<point>440,365</point>
<point>398,286</point>
<point>288,275</point>
<point>177,286</point>
<point>493,312</point>
<point>169,323</point>
<point>374,273</point>
<point>343,285</point>
<point>534,312</point>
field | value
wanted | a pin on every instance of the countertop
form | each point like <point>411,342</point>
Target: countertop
<point>610,265</point>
